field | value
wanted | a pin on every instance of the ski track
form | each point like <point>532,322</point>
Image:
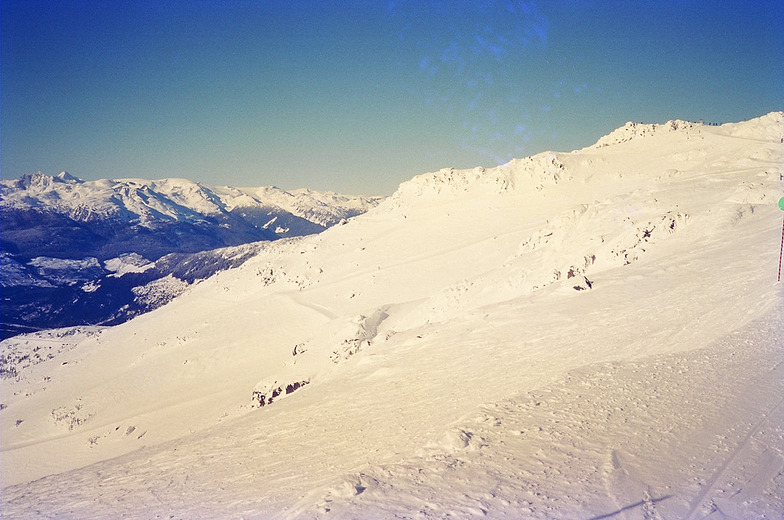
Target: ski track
<point>510,460</point>
<point>773,418</point>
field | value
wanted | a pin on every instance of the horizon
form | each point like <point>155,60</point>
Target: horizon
<point>65,174</point>
<point>360,97</point>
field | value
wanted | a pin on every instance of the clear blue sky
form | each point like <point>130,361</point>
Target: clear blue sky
<point>358,96</point>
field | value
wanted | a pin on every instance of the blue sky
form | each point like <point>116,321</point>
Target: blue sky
<point>357,96</point>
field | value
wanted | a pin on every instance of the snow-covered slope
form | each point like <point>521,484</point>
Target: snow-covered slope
<point>592,334</point>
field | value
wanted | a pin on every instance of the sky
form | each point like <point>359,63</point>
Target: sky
<point>357,96</point>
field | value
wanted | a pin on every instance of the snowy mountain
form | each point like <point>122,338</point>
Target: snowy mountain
<point>66,217</point>
<point>594,334</point>
<point>61,237</point>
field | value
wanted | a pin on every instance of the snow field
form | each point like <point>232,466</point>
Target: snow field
<point>593,335</point>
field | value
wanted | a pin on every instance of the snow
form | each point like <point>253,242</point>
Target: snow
<point>593,334</point>
<point>128,263</point>
<point>63,271</point>
<point>159,291</point>
<point>24,351</point>
<point>15,273</point>
<point>323,208</point>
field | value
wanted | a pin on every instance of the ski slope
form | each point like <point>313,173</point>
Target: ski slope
<point>594,334</point>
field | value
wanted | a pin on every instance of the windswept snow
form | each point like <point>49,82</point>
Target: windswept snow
<point>593,334</point>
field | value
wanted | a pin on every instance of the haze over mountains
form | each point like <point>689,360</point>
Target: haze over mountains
<point>593,334</point>
<point>87,252</point>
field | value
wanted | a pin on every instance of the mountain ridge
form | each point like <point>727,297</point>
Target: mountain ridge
<point>152,203</point>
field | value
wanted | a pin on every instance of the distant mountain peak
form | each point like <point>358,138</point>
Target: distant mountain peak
<point>64,176</point>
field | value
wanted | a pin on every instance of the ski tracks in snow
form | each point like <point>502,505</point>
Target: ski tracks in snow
<point>721,438</point>
<point>756,462</point>
<point>697,435</point>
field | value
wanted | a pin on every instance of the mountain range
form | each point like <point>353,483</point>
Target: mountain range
<point>80,252</point>
<point>585,334</point>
